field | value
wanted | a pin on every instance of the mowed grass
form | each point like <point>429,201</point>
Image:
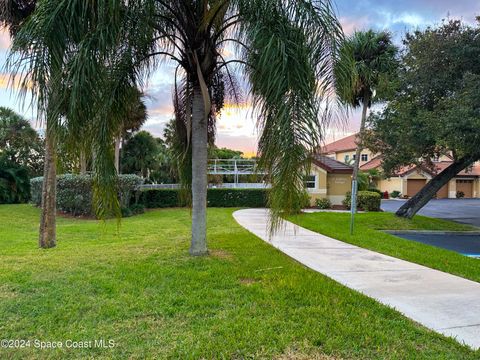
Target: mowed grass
<point>369,234</point>
<point>140,288</point>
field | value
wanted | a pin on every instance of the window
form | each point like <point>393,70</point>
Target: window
<point>364,157</point>
<point>347,158</point>
<point>354,156</point>
<point>310,181</point>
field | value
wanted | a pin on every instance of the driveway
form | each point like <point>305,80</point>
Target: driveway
<point>465,211</point>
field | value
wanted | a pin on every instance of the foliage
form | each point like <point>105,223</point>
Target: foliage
<point>323,203</point>
<point>366,67</point>
<point>139,154</point>
<point>215,198</point>
<point>224,153</point>
<point>366,200</point>
<point>119,284</point>
<point>20,143</point>
<point>75,192</point>
<point>379,192</point>
<point>395,194</point>
<point>14,182</point>
<point>435,108</point>
<point>286,50</point>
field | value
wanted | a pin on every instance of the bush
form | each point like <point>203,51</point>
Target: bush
<point>395,194</point>
<point>366,200</point>
<point>379,192</point>
<point>323,203</point>
<point>460,194</point>
<point>14,183</point>
<point>74,193</point>
<point>160,198</point>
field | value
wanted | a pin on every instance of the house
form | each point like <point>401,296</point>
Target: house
<point>408,180</point>
<point>345,149</point>
<point>330,179</point>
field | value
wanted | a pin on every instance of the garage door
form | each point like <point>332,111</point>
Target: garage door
<point>465,186</point>
<point>443,192</point>
<point>414,186</point>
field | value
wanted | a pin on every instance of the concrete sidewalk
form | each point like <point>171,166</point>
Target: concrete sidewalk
<point>442,302</point>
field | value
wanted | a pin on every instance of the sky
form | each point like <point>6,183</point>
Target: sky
<point>236,126</point>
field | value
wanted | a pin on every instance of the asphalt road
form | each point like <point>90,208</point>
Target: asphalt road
<point>465,211</point>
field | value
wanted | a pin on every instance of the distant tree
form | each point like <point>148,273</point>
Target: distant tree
<point>367,62</point>
<point>224,153</point>
<point>435,109</point>
<point>14,182</point>
<point>20,144</point>
<point>140,154</point>
<point>134,119</point>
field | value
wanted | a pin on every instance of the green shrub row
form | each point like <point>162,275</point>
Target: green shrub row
<point>74,192</point>
<point>160,198</point>
<point>366,200</point>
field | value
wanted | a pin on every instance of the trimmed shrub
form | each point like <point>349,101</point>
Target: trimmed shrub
<point>375,190</point>
<point>163,198</point>
<point>74,192</point>
<point>395,194</point>
<point>323,204</point>
<point>366,200</point>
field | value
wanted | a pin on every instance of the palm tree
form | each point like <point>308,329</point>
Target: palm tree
<point>13,15</point>
<point>133,121</point>
<point>285,49</point>
<point>366,62</point>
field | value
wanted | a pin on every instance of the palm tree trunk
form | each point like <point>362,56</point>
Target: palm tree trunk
<point>199,175</point>
<point>413,205</point>
<point>358,154</point>
<point>356,166</point>
<point>117,153</point>
<point>47,235</point>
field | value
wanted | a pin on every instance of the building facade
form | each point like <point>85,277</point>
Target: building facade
<point>409,179</point>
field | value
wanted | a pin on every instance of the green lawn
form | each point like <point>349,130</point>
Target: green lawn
<point>368,234</point>
<point>139,287</point>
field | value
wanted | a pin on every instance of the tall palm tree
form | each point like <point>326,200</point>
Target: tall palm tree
<point>367,59</point>
<point>13,15</point>
<point>133,121</point>
<point>285,49</point>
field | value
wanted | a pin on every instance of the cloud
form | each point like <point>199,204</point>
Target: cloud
<point>4,39</point>
<point>350,25</point>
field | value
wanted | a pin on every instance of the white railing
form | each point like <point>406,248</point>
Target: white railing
<point>233,167</point>
<point>212,186</point>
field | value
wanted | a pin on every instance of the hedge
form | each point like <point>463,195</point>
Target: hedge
<point>160,198</point>
<point>366,200</point>
<point>74,192</point>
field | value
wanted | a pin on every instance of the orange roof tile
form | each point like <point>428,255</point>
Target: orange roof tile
<point>345,144</point>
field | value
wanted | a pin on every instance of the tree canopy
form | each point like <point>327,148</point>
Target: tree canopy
<point>435,109</point>
<point>20,144</point>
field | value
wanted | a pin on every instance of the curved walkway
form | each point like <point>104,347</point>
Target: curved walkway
<point>442,302</point>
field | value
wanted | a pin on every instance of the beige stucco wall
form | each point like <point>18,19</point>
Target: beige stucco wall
<point>338,186</point>
<point>340,156</point>
<point>331,186</point>
<point>320,191</point>
<point>391,184</point>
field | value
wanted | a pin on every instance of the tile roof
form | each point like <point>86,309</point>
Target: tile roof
<point>375,163</point>
<point>439,167</point>
<point>331,165</point>
<point>470,171</point>
<point>345,144</point>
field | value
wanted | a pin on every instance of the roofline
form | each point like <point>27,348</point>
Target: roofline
<point>330,170</point>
